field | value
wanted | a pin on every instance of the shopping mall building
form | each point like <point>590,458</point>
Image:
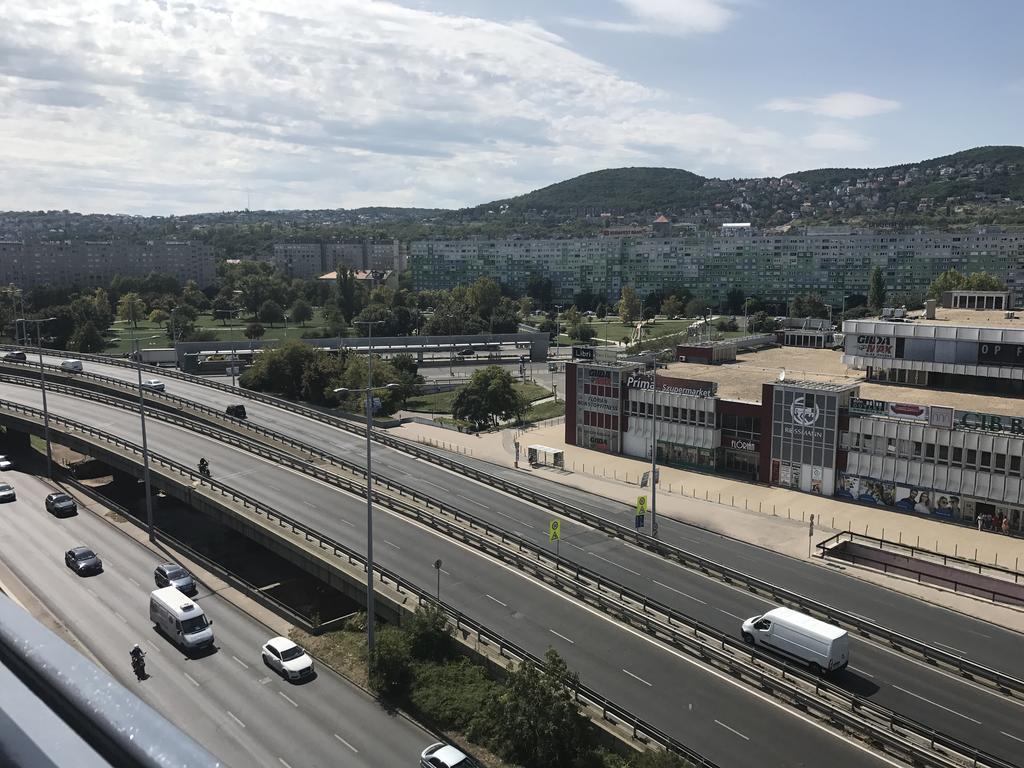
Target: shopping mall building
<point>867,422</point>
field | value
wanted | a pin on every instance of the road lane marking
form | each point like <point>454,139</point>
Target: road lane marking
<point>285,697</point>
<point>950,647</point>
<point>152,645</point>
<point>922,698</point>
<point>612,562</point>
<point>232,716</point>
<point>679,592</point>
<point>731,614</point>
<point>637,678</point>
<point>346,522</point>
<point>91,591</point>
<point>733,730</point>
<point>240,661</point>
<point>133,581</point>
<point>1018,738</point>
<point>281,760</point>
<point>503,605</point>
<point>311,505</point>
<point>346,743</point>
<point>391,544</point>
<point>192,680</point>
<point>475,503</point>
<point>434,484</point>
<point>559,634</point>
<point>860,671</point>
<point>122,618</point>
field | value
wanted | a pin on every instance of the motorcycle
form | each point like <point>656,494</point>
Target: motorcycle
<point>204,469</point>
<point>139,666</point>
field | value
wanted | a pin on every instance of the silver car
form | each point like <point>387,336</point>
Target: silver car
<point>7,492</point>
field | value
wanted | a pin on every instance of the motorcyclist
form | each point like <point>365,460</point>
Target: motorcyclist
<point>204,466</point>
<point>138,660</point>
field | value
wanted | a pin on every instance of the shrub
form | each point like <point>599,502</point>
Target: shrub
<point>454,695</point>
<point>390,663</point>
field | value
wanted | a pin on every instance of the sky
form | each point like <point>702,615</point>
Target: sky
<point>165,107</point>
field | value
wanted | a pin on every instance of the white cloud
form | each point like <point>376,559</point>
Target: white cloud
<point>677,18</point>
<point>142,107</point>
<point>836,139</point>
<point>845,105</point>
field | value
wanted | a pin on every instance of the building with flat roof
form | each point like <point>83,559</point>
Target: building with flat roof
<point>825,422</point>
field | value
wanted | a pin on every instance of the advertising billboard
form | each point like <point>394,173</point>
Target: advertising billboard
<point>993,353</point>
<point>673,386</point>
<point>870,345</point>
<point>907,411</point>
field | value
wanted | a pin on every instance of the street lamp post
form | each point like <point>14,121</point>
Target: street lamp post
<point>145,445</point>
<point>42,387</point>
<point>654,449</point>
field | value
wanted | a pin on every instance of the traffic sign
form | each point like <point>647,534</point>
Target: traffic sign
<point>641,510</point>
<point>554,530</point>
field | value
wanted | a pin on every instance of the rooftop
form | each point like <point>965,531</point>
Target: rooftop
<point>978,318</point>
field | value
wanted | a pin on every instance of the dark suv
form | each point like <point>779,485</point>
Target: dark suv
<point>237,410</point>
<point>173,575</point>
<point>61,504</point>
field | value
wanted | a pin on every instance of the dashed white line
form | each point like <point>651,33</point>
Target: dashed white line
<point>679,592</point>
<point>240,661</point>
<point>948,646</point>
<point>311,505</point>
<point>286,698</point>
<point>922,698</point>
<point>282,762</point>
<point>559,634</point>
<point>133,581</point>
<point>1018,738</point>
<point>503,605</point>
<point>232,716</point>
<point>152,645</point>
<point>733,730</point>
<point>446,573</point>
<point>122,618</point>
<point>727,613</point>
<point>346,743</point>
<point>391,544</point>
<point>91,591</point>
<point>581,549</point>
<point>860,671</point>
<point>346,522</point>
<point>192,680</point>
<point>637,678</point>
<point>612,562</point>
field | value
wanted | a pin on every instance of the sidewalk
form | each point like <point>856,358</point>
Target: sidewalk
<point>774,518</point>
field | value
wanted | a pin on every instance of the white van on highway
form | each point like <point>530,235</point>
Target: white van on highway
<point>180,619</point>
<point>823,647</point>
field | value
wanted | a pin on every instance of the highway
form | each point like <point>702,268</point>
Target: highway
<point>228,701</point>
<point>940,700</point>
<point>712,714</point>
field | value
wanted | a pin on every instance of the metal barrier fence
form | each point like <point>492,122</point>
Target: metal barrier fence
<point>590,586</point>
<point>640,729</point>
<point>1003,682</point>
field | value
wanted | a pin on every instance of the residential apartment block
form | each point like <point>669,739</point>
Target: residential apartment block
<point>775,266</point>
<point>92,264</point>
<point>310,260</point>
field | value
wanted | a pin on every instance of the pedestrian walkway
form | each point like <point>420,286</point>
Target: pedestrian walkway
<point>775,518</point>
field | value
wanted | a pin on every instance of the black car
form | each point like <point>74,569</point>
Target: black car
<point>61,504</point>
<point>237,410</point>
<point>173,575</point>
<point>16,356</point>
<point>83,560</point>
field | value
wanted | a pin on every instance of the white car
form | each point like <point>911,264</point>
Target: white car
<point>5,463</point>
<point>153,385</point>
<point>7,492</point>
<point>287,659</point>
<point>441,755</point>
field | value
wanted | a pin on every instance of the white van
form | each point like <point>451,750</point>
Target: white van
<point>823,647</point>
<point>71,366</point>
<point>180,619</point>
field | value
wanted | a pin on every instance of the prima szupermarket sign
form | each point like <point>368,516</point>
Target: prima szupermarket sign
<point>671,386</point>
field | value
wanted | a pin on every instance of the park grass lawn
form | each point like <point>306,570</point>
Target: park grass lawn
<point>547,410</point>
<point>442,402</point>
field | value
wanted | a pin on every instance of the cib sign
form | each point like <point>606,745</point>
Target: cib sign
<point>990,422</point>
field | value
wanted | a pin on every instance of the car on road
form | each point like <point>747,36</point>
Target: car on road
<point>83,560</point>
<point>173,575</point>
<point>237,410</point>
<point>441,755</point>
<point>466,352</point>
<point>16,356</point>
<point>71,366</point>
<point>6,463</point>
<point>153,385</point>
<point>288,659</point>
<point>61,504</point>
<point>7,492</point>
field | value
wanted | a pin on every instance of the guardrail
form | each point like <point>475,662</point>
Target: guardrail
<point>903,643</point>
<point>121,728</point>
<point>591,586</point>
<point>640,729</point>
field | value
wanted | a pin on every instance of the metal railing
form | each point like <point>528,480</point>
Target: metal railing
<point>118,725</point>
<point>900,642</point>
<point>640,729</point>
<point>702,640</point>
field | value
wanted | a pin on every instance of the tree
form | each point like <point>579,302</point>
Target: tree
<point>983,281</point>
<point>762,322</point>
<point>484,296</point>
<point>629,305</point>
<point>87,339</point>
<point>301,312</point>
<point>808,305</point>
<point>586,299</point>
<point>348,294</point>
<point>951,280</point>
<point>671,307</point>
<point>254,331</point>
<point>192,295</point>
<point>536,720</point>
<point>390,663</point>
<point>876,290</point>
<point>271,312</point>
<point>696,307</point>
<point>159,316</point>
<point>409,381</point>
<point>489,397</point>
<point>734,299</point>
<point>540,288</point>
<point>223,308</point>
<point>602,311</point>
<point>581,331</point>
<point>131,308</point>
<point>104,315</point>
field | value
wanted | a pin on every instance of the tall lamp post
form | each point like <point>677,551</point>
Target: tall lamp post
<point>368,390</point>
<point>145,445</point>
<point>42,386</point>
<point>654,448</point>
